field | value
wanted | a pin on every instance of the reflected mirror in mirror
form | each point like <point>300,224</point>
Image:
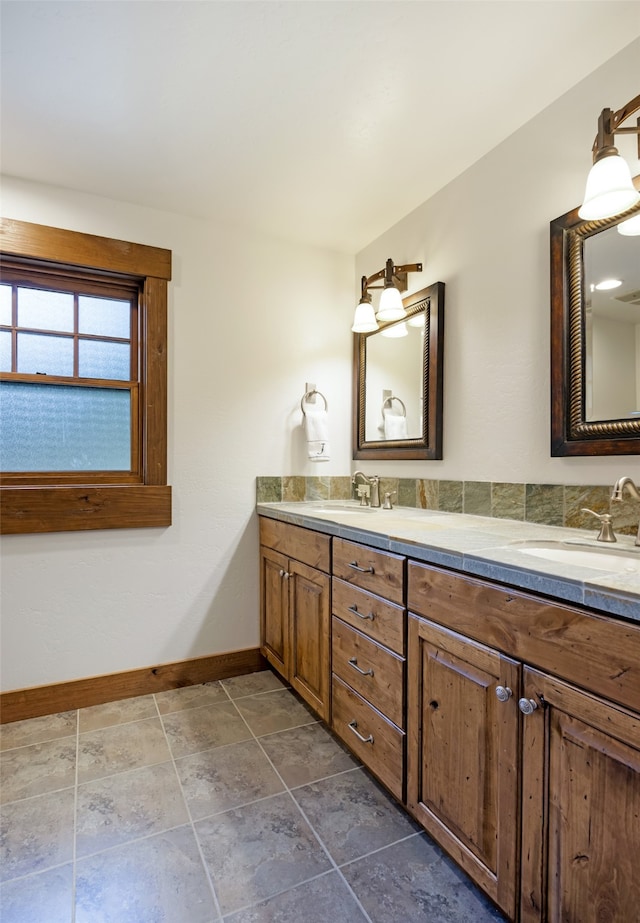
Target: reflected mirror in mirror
<point>398,382</point>
<point>612,326</point>
<point>595,336</point>
<point>394,372</point>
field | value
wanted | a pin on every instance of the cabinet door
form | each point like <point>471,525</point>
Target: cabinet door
<point>462,753</point>
<point>274,608</point>
<point>309,635</point>
<point>581,797</point>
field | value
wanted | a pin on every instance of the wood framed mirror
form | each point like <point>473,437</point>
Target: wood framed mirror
<point>397,382</point>
<point>595,336</point>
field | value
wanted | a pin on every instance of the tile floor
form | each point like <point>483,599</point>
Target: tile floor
<point>226,801</point>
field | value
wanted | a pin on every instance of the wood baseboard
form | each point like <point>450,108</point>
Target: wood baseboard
<point>19,704</point>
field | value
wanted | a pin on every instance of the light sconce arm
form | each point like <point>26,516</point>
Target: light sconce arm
<point>391,307</point>
<point>610,190</point>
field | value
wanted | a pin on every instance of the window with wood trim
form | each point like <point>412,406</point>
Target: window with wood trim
<point>83,381</point>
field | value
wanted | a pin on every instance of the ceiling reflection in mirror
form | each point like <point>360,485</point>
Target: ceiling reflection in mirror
<point>398,382</point>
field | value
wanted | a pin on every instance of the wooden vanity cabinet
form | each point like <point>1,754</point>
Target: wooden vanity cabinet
<point>368,658</point>
<point>567,740</point>
<point>295,608</point>
<point>462,759</point>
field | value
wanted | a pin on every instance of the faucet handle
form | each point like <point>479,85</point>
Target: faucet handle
<point>606,533</point>
<point>387,505</point>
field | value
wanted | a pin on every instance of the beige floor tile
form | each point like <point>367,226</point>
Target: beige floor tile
<point>274,711</point>
<point>126,806</point>
<point>121,712</point>
<point>36,834</point>
<point>38,730</point>
<point>38,768</point>
<point>121,748</point>
<point>226,777</point>
<point>198,729</point>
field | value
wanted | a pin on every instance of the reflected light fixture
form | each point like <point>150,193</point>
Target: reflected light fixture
<point>610,190</point>
<point>630,227</point>
<point>390,308</point>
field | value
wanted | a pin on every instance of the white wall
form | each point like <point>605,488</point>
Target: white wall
<point>76,605</point>
<point>486,236</point>
<point>83,604</point>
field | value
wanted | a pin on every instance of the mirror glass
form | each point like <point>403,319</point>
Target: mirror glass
<point>612,325</point>
<point>595,336</point>
<point>398,382</point>
<point>394,371</point>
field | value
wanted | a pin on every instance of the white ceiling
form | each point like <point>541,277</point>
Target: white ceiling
<point>324,122</point>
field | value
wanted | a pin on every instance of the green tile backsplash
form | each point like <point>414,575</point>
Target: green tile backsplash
<point>548,504</point>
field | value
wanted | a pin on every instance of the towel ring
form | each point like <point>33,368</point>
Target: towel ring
<point>389,400</point>
<point>309,394</point>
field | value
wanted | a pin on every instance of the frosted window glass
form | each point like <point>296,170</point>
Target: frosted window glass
<point>60,428</point>
<point>49,355</point>
<point>45,310</point>
<point>5,351</point>
<point>5,305</point>
<point>107,317</point>
<point>97,359</point>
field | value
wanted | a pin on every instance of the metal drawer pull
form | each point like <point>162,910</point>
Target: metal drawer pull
<point>354,663</point>
<point>362,570</point>
<point>354,609</point>
<point>365,740</point>
<point>503,693</point>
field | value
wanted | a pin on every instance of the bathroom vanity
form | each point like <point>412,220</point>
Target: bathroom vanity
<point>492,688</point>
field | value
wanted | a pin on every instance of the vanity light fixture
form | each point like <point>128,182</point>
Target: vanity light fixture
<point>610,190</point>
<point>391,308</point>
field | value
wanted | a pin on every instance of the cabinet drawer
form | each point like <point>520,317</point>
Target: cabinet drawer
<point>312,548</point>
<point>383,753</point>
<point>374,672</point>
<point>381,620</point>
<point>377,571</point>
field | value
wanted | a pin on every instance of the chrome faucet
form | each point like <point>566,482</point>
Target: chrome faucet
<point>374,487</point>
<point>617,492</point>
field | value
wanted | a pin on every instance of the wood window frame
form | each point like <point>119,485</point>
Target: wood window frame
<point>63,507</point>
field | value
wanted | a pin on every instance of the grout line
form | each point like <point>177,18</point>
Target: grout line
<point>75,821</point>
<point>205,865</point>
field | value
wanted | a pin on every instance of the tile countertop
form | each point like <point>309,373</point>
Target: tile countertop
<point>477,545</point>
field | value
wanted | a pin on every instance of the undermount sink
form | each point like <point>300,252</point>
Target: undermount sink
<point>612,559</point>
<point>337,507</point>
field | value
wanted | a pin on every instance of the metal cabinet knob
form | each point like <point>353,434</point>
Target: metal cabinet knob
<point>527,706</point>
<point>503,693</point>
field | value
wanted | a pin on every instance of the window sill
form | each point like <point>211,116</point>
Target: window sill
<point>73,509</point>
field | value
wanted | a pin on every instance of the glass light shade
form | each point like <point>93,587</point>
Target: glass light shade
<point>417,320</point>
<point>364,319</point>
<point>609,189</point>
<point>398,330</point>
<point>630,227</point>
<point>391,307</point>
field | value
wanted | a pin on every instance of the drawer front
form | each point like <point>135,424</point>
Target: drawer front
<point>374,672</point>
<point>383,751</point>
<point>312,548</point>
<point>381,620</point>
<point>378,572</point>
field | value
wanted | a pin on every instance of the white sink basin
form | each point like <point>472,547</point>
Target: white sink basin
<point>330,508</point>
<point>611,559</point>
